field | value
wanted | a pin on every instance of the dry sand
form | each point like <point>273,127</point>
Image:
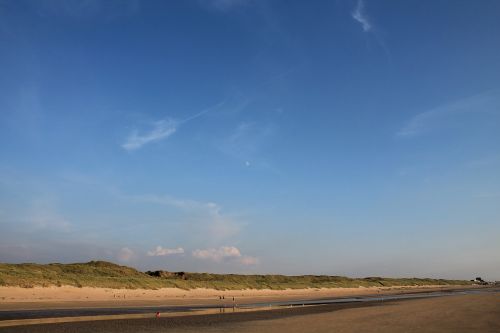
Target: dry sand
<point>67,296</point>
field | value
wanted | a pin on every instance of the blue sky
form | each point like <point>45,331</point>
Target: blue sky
<point>331,137</point>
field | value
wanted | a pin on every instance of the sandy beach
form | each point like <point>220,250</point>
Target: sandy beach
<point>68,296</point>
<point>458,313</point>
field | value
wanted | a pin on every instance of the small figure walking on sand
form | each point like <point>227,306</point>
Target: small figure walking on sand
<point>157,314</point>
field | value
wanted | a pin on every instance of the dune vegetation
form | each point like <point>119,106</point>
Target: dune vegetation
<point>108,275</point>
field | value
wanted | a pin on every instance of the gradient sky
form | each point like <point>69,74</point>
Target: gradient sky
<point>355,138</point>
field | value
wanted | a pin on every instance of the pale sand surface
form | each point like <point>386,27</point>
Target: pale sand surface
<point>68,296</point>
<point>458,313</point>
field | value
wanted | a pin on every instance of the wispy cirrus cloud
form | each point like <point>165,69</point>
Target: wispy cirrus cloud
<point>160,130</point>
<point>225,254</point>
<point>486,102</point>
<point>360,16</point>
<point>160,251</point>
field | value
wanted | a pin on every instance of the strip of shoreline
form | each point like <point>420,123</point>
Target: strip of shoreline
<point>17,298</point>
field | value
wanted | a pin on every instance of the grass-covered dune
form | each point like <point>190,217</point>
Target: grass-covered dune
<point>108,275</point>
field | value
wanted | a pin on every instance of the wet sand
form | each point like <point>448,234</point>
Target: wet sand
<point>471,313</point>
<point>462,313</point>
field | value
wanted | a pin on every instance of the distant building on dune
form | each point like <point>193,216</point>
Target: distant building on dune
<point>479,280</point>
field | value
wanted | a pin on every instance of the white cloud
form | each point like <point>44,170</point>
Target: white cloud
<point>359,15</point>
<point>161,251</point>
<point>487,102</point>
<point>217,254</point>
<point>224,254</point>
<point>161,130</point>
<point>125,254</point>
